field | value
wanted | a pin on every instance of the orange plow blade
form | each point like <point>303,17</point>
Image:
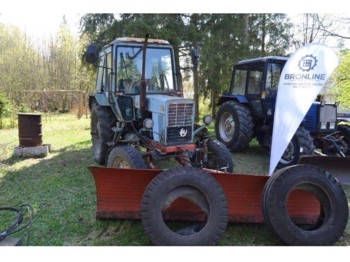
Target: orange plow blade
<point>119,194</point>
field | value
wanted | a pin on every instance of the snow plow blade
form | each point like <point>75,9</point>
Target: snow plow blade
<point>337,166</point>
<point>119,193</point>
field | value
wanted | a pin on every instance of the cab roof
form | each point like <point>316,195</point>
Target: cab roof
<point>263,59</point>
<point>140,40</point>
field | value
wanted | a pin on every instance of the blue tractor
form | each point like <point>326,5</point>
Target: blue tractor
<point>247,112</point>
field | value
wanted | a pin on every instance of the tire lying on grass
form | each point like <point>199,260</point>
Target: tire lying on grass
<point>333,215</point>
<point>199,188</point>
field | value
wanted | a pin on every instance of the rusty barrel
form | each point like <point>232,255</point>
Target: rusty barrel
<point>29,130</point>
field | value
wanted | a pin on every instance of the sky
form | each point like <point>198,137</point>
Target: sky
<point>40,19</point>
<point>34,26</point>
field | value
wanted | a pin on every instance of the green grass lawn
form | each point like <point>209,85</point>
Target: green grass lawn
<point>62,192</point>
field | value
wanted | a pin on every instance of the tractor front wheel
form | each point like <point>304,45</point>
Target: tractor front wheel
<point>301,144</point>
<point>125,156</point>
<point>212,154</point>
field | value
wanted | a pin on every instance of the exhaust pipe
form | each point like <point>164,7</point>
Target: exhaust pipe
<point>143,101</point>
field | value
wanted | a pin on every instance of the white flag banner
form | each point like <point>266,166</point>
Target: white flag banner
<point>302,79</point>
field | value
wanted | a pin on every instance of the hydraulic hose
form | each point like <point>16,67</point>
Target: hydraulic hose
<point>17,225</point>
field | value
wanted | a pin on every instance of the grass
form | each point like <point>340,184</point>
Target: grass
<point>62,192</point>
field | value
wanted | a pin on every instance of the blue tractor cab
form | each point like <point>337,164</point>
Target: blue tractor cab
<point>247,110</point>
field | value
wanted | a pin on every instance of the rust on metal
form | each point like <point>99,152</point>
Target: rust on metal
<point>29,130</point>
<point>172,149</point>
<point>119,194</point>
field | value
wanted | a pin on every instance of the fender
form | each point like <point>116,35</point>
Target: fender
<point>100,99</point>
<point>238,98</point>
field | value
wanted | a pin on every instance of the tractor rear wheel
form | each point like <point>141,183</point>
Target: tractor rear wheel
<point>234,126</point>
<point>102,121</point>
<point>125,156</point>
<point>332,219</point>
<point>203,193</point>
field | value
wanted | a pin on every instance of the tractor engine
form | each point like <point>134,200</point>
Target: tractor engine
<point>173,119</point>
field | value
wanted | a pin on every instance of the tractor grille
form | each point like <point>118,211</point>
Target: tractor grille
<point>178,135</point>
<point>180,115</point>
<point>180,123</point>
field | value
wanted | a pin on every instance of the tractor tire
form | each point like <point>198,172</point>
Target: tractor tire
<point>196,186</point>
<point>125,156</point>
<point>219,157</point>
<point>234,126</point>
<point>301,144</point>
<point>102,121</point>
<point>345,130</point>
<point>324,187</point>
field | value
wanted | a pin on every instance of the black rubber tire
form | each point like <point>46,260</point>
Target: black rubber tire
<point>334,207</point>
<point>345,130</point>
<point>243,130</point>
<point>125,156</point>
<point>305,140</point>
<point>218,157</point>
<point>302,142</point>
<point>184,182</point>
<point>102,121</point>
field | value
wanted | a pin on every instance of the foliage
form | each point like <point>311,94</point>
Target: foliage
<point>221,38</point>
<point>5,108</point>
<point>26,67</point>
<point>342,81</point>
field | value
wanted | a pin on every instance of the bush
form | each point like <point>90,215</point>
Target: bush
<point>6,108</point>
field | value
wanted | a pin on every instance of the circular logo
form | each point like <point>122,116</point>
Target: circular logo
<point>307,63</point>
<point>183,132</point>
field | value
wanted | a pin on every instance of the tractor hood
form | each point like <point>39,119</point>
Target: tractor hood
<point>159,103</point>
<point>173,118</point>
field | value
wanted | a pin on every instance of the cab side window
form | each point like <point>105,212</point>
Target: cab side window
<point>255,82</point>
<point>107,72</point>
<point>272,78</point>
<point>240,79</point>
<point>100,82</point>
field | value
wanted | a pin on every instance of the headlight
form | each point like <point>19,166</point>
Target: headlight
<point>332,125</point>
<point>207,120</point>
<point>148,123</point>
<point>323,125</point>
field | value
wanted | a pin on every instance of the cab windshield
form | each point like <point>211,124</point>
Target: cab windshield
<point>158,70</point>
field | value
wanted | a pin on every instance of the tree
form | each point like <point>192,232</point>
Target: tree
<point>221,38</point>
<point>52,66</point>
<point>321,28</point>
<point>341,78</point>
<point>232,37</point>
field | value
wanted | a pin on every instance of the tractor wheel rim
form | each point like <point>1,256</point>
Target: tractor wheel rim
<point>120,163</point>
<point>226,127</point>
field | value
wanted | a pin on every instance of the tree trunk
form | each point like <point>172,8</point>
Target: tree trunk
<point>263,34</point>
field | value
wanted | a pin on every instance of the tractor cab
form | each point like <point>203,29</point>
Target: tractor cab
<point>255,82</point>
